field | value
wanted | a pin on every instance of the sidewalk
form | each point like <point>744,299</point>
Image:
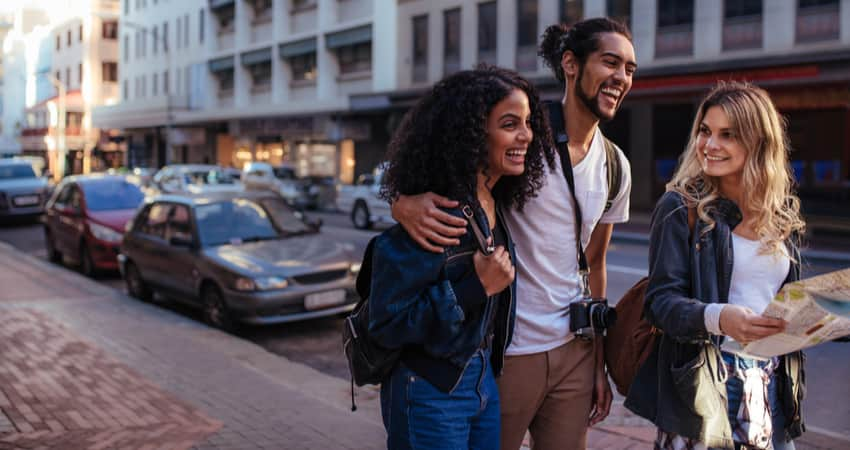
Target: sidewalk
<point>85,367</point>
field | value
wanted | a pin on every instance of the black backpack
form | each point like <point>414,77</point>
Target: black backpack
<point>368,362</point>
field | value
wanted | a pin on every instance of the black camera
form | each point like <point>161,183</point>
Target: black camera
<point>591,316</point>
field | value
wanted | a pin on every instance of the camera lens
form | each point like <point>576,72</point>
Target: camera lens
<point>602,316</point>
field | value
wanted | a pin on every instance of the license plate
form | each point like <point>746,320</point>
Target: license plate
<point>26,200</point>
<point>324,299</point>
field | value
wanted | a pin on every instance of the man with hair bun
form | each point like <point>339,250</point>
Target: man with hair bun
<point>553,384</point>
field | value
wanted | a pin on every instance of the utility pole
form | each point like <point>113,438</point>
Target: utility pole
<point>60,128</point>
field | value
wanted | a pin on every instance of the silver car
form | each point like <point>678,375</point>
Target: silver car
<point>22,193</point>
<point>240,257</point>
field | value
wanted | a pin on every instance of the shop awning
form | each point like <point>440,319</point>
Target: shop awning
<point>218,4</point>
<point>221,64</point>
<point>348,37</point>
<point>297,48</point>
<point>256,57</point>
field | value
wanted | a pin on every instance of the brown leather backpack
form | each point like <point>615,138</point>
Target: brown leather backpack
<point>630,341</point>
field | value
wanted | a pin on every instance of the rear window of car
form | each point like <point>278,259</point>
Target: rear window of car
<point>11,171</point>
<point>208,177</point>
<point>107,195</point>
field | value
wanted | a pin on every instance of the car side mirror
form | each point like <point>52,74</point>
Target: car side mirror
<point>179,241</point>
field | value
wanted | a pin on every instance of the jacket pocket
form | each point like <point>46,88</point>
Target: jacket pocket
<point>695,385</point>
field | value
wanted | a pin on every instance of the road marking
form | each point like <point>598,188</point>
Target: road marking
<point>626,269</point>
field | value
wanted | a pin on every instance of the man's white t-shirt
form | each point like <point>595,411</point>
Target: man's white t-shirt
<point>544,237</point>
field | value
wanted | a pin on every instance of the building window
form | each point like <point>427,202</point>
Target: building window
<point>126,48</point>
<point>165,82</point>
<point>80,73</point>
<point>110,29</point>
<point>675,34</point>
<point>420,48</point>
<point>110,72</point>
<point>742,24</point>
<point>225,83</point>
<point>303,67</point>
<point>818,20</point>
<point>301,5</point>
<point>68,78</point>
<point>261,77</point>
<point>355,58</point>
<point>58,42</point>
<point>225,16</point>
<point>572,11</point>
<point>125,90</point>
<point>126,7</point>
<point>201,26</point>
<point>81,34</point>
<point>526,55</point>
<point>154,84</point>
<point>262,11</point>
<point>68,43</point>
<point>451,41</point>
<point>165,37</point>
<point>487,27</point>
<point>186,31</point>
<point>620,10</point>
<point>59,76</point>
<point>179,37</point>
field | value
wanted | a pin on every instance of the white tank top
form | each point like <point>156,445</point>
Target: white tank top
<point>756,278</point>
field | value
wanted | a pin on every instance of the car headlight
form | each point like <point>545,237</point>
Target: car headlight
<point>355,268</point>
<point>244,284</point>
<point>104,233</point>
<point>269,283</point>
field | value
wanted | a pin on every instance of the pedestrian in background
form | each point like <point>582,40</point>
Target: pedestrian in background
<point>479,136</point>
<point>554,385</point>
<point>709,285</point>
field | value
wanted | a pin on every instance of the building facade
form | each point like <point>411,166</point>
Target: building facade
<point>321,84</point>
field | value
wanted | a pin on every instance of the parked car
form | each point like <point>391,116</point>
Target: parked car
<point>361,201</point>
<point>239,257</point>
<point>86,217</point>
<point>193,179</point>
<point>282,180</point>
<point>22,193</point>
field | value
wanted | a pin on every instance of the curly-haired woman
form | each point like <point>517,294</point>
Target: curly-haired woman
<point>709,285</point>
<point>478,136</point>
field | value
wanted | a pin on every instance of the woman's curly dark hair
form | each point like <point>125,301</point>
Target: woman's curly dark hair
<point>441,144</point>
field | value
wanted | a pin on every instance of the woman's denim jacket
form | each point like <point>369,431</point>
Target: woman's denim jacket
<point>433,304</point>
<point>680,388</point>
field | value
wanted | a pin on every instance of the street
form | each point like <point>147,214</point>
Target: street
<point>317,343</point>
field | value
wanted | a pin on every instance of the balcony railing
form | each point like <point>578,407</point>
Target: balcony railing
<point>676,40</point>
<point>742,32</point>
<point>818,23</point>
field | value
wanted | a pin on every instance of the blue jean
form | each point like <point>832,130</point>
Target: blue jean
<point>419,416</point>
<point>735,390</point>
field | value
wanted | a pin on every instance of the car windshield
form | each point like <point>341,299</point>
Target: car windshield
<point>284,173</point>
<point>111,194</point>
<point>211,177</point>
<point>242,220</point>
<point>8,172</point>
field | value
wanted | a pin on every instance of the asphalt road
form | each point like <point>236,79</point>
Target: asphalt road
<point>317,343</point>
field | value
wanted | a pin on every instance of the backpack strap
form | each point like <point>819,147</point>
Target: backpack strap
<point>363,285</point>
<point>615,171</point>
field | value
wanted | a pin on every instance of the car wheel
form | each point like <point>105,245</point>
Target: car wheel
<point>53,255</point>
<point>87,267</point>
<point>215,311</point>
<point>136,286</point>
<point>360,216</point>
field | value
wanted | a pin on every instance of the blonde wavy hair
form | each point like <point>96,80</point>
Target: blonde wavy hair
<point>767,179</point>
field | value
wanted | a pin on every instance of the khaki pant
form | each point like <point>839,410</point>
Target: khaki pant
<point>550,395</point>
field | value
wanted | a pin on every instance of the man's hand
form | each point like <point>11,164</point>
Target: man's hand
<point>495,271</point>
<point>428,225</point>
<point>745,326</point>
<point>602,397</point>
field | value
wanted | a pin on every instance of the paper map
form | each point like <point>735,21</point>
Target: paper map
<point>817,310</point>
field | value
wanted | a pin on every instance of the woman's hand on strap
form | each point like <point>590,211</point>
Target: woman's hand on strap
<point>745,326</point>
<point>428,225</point>
<point>495,271</point>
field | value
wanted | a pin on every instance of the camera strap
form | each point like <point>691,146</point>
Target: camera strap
<point>559,133</point>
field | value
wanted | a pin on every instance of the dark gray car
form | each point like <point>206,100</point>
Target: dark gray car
<point>22,193</point>
<point>241,257</point>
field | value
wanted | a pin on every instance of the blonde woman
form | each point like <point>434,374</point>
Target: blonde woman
<point>709,285</point>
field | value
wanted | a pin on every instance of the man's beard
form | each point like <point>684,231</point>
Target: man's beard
<point>592,103</point>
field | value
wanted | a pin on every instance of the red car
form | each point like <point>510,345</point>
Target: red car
<point>85,220</point>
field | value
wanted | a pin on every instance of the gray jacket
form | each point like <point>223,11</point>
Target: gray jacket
<point>679,387</point>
